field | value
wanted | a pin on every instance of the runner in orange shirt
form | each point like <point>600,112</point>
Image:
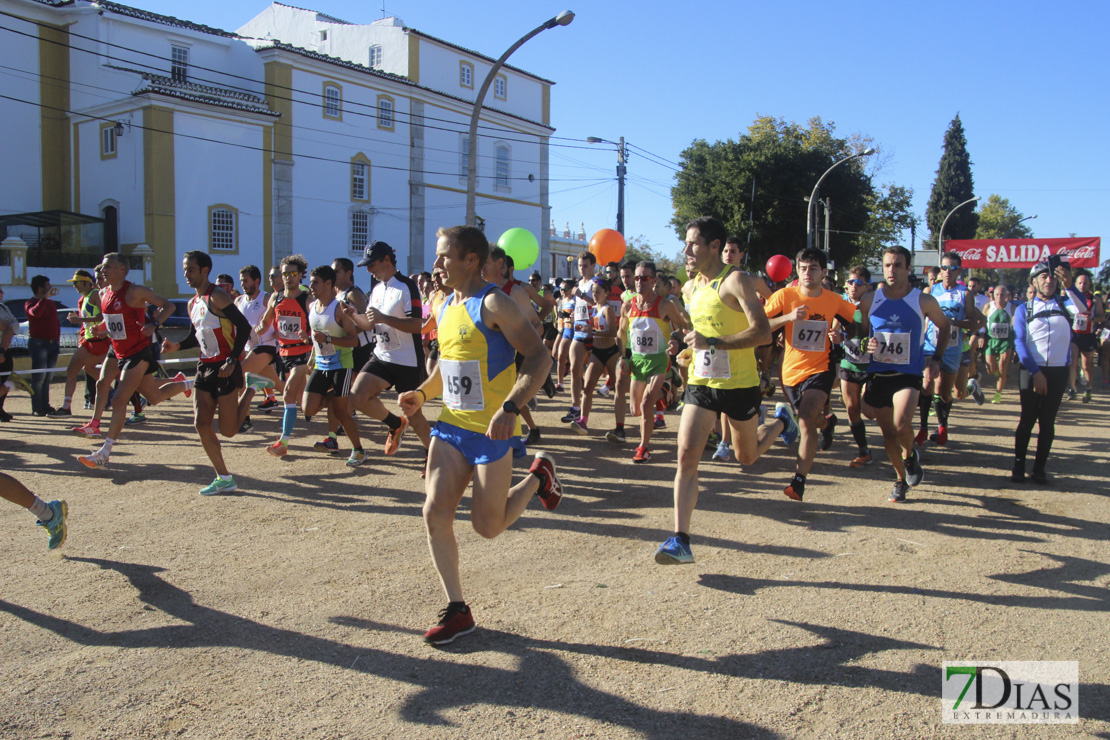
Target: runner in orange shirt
<point>807,312</point>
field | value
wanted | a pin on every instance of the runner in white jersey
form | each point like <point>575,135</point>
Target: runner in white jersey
<point>978,341</point>
<point>393,313</point>
<point>261,349</point>
<point>582,338</point>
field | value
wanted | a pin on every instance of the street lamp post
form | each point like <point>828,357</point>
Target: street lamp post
<point>1017,223</point>
<point>812,213</point>
<point>940,234</point>
<point>622,159</point>
<point>563,19</point>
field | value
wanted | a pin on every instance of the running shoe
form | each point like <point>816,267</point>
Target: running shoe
<point>268,404</point>
<point>797,488</point>
<point>922,436</point>
<point>278,449</point>
<point>975,391</point>
<point>579,426</point>
<point>393,441</point>
<point>219,486</point>
<point>616,436</point>
<point>549,387</point>
<point>89,430</point>
<point>328,445</point>
<point>531,404</point>
<point>246,426</point>
<point>558,387</point>
<point>603,391</point>
<point>1040,478</point>
<point>898,495</point>
<point>722,452</point>
<point>180,378</point>
<point>1017,475</point>
<point>533,436</point>
<point>940,436</point>
<point>358,457</point>
<point>1071,394</point>
<point>551,488</point>
<point>56,527</point>
<point>862,459</point>
<point>660,422</point>
<point>5,416</point>
<point>89,405</point>
<point>22,383</point>
<point>258,382</point>
<point>914,473</point>
<point>997,397</point>
<point>95,460</point>
<point>454,622</point>
<point>1086,397</point>
<point>571,415</point>
<point>135,419</point>
<point>673,552</point>
<point>827,432</point>
<point>790,427</point>
<point>63,411</point>
<point>642,455</point>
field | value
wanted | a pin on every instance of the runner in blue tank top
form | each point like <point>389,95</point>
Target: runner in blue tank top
<point>893,318</point>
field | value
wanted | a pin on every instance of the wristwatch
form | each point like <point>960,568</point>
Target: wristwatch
<point>510,408</point>
<point>711,341</point>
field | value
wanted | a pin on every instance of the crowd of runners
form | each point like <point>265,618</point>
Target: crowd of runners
<point>714,349</point>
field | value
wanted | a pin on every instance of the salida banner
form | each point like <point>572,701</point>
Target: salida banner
<point>995,253</point>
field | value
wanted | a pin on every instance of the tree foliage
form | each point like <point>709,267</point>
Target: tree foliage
<point>784,161</point>
<point>890,211</point>
<point>953,186</point>
<point>639,250</point>
<point>998,219</point>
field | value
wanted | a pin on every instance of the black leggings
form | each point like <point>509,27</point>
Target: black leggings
<point>1040,410</point>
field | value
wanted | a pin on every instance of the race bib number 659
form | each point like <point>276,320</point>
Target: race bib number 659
<point>462,385</point>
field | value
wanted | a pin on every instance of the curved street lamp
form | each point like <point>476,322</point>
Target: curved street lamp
<point>812,213</point>
<point>563,19</point>
<point>940,234</point>
<point>1017,223</point>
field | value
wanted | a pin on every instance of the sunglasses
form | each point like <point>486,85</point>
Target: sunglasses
<point>853,281</point>
<point>294,272</point>
<point>946,268</point>
<point>644,277</point>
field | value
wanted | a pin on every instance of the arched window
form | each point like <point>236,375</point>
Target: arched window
<point>466,75</point>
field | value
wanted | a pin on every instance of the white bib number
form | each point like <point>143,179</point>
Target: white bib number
<point>809,336</point>
<point>114,324</point>
<point>1082,322</point>
<point>854,352</point>
<point>462,385</point>
<point>206,338</point>
<point>894,347</point>
<point>327,349</point>
<point>712,364</point>
<point>1000,330</point>
<point>389,338</point>
<point>953,335</point>
<point>1104,335</point>
<point>289,327</point>
<point>647,339</point>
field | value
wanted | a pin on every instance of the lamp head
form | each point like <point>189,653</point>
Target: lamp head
<point>564,18</point>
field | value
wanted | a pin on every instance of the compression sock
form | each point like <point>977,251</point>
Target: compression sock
<point>392,421</point>
<point>942,409</point>
<point>288,420</point>
<point>923,405</point>
<point>859,431</point>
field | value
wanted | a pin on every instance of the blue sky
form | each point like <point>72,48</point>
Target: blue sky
<point>1028,80</point>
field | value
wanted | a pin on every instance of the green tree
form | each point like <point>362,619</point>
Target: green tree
<point>784,160</point>
<point>952,187</point>
<point>998,219</point>
<point>889,215</point>
<point>638,250</point>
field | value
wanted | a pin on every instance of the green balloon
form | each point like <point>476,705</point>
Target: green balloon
<point>522,246</point>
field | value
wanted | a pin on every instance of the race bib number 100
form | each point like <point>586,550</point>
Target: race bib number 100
<point>894,347</point>
<point>462,385</point>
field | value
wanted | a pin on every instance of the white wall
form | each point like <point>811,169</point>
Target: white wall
<point>439,70</point>
<point>20,146</point>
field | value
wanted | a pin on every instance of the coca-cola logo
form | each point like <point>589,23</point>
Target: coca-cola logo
<point>971,254</point>
<point>1087,251</point>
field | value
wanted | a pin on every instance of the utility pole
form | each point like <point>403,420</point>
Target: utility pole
<point>828,210</point>
<point>622,158</point>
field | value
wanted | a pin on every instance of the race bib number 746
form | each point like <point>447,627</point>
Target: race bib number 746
<point>894,347</point>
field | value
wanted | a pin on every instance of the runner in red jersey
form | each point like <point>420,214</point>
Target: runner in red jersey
<point>123,305</point>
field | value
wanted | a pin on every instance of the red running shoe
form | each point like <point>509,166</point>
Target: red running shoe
<point>551,489</point>
<point>921,437</point>
<point>180,378</point>
<point>940,436</point>
<point>642,455</point>
<point>453,622</point>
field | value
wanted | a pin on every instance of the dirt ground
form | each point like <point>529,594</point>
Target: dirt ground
<point>294,608</point>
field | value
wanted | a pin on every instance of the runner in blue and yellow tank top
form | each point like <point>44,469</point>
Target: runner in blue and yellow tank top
<point>728,323</point>
<point>480,331</point>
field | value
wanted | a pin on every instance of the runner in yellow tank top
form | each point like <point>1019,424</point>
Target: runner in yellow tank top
<point>729,323</point>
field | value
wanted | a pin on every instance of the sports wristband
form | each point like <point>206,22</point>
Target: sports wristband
<point>421,392</point>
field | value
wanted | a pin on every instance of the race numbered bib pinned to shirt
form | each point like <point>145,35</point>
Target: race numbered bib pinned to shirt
<point>462,385</point>
<point>114,323</point>
<point>206,338</point>
<point>1082,322</point>
<point>953,334</point>
<point>327,349</point>
<point>809,336</point>
<point>388,338</point>
<point>711,364</point>
<point>647,338</point>
<point>289,327</point>
<point>1104,335</point>
<point>894,347</point>
<point>854,352</point>
<point>1000,330</point>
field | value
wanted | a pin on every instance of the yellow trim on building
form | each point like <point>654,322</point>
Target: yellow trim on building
<point>54,145</point>
<point>267,198</point>
<point>160,198</point>
<point>483,195</point>
<point>414,59</point>
<point>279,83</point>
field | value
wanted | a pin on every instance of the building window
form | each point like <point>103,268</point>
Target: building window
<point>333,101</point>
<point>385,112</point>
<point>500,87</point>
<point>360,179</point>
<point>376,56</point>
<point>464,155</point>
<point>107,140</point>
<point>501,168</point>
<point>179,63</point>
<point>360,229</point>
<point>466,74</point>
<point>223,231</point>
<point>324,35</point>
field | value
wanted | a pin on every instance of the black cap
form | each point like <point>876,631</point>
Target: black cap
<point>375,252</point>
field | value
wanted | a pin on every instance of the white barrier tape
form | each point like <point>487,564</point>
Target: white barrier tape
<point>63,369</point>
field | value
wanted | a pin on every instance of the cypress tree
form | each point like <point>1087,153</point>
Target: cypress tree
<point>952,187</point>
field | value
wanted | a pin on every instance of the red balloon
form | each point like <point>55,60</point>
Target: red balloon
<point>779,267</point>
<point>608,246</point>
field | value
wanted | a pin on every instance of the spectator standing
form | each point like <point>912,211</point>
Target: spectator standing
<point>45,330</point>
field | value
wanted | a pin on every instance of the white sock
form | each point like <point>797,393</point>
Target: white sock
<point>67,402</point>
<point>224,477</point>
<point>9,385</point>
<point>106,448</point>
<point>41,510</point>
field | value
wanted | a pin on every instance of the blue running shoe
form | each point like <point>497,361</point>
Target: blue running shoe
<point>135,419</point>
<point>56,527</point>
<point>328,445</point>
<point>790,427</point>
<point>673,552</point>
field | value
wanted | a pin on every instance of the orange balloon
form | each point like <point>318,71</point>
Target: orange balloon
<point>608,246</point>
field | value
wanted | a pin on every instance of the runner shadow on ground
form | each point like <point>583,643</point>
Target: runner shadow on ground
<point>541,680</point>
